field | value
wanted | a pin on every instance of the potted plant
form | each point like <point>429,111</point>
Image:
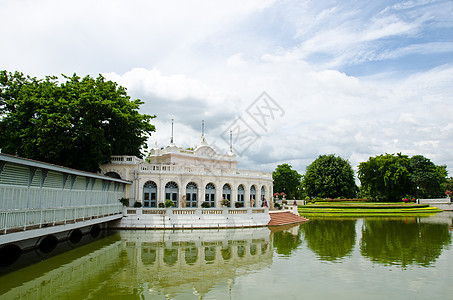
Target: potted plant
<point>239,204</point>
<point>124,201</point>
<point>225,202</point>
<point>448,193</point>
<point>169,203</point>
<point>137,204</point>
<point>161,205</point>
<point>205,204</point>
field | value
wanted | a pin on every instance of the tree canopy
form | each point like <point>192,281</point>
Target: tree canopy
<point>391,177</point>
<point>329,176</point>
<point>286,180</point>
<point>79,123</point>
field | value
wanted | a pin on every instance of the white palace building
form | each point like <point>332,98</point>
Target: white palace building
<point>189,178</point>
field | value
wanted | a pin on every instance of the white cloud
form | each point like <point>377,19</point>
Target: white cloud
<point>204,60</point>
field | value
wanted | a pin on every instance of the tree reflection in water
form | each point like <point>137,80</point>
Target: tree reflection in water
<point>403,242</point>
<point>330,239</point>
<point>285,241</point>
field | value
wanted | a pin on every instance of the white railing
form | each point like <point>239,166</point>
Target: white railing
<point>16,197</point>
<point>192,211</point>
<point>36,218</point>
<point>434,200</point>
<point>201,170</point>
<point>125,159</point>
<point>179,169</point>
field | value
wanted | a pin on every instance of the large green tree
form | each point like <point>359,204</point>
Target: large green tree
<point>330,176</point>
<point>391,177</point>
<point>385,177</point>
<point>286,180</point>
<point>79,123</point>
<point>427,178</point>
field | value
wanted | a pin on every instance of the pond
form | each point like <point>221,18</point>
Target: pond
<point>354,258</point>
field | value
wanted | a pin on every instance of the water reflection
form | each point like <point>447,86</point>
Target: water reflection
<point>213,263</point>
<point>135,264</point>
<point>404,241</point>
<point>286,239</point>
<point>330,239</point>
<point>169,262</point>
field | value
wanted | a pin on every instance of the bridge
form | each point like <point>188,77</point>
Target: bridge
<point>42,204</point>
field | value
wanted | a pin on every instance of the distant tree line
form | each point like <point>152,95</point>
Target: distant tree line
<point>79,123</point>
<point>386,177</point>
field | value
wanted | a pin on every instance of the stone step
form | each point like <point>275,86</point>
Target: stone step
<point>285,218</point>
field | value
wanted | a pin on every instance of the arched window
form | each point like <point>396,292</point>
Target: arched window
<point>210,194</point>
<point>253,195</point>
<point>263,194</point>
<point>241,192</point>
<point>150,194</point>
<point>191,194</point>
<point>171,192</point>
<point>227,192</point>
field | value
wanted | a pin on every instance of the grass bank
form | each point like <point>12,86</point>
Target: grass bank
<point>366,209</point>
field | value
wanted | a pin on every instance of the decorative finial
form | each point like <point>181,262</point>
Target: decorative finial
<point>231,143</point>
<point>202,127</point>
<point>171,140</point>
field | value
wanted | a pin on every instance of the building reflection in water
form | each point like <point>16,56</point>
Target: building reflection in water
<point>169,263</point>
<point>142,264</point>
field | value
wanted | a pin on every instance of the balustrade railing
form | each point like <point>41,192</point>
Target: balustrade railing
<point>193,211</point>
<point>37,218</point>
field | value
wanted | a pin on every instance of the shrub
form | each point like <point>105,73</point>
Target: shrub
<point>124,201</point>
<point>239,204</point>
<point>137,204</point>
<point>225,202</point>
<point>205,204</point>
<point>161,205</point>
<point>169,203</point>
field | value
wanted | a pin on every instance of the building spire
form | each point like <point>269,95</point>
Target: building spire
<point>203,139</point>
<point>230,151</point>
<point>171,139</point>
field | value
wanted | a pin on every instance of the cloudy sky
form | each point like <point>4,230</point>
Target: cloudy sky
<point>291,79</point>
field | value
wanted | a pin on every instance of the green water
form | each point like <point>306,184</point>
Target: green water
<point>360,258</point>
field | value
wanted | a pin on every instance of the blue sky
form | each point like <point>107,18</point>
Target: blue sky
<point>353,78</point>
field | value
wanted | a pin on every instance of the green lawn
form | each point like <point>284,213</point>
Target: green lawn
<point>366,209</point>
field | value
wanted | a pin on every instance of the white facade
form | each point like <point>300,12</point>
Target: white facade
<point>190,177</point>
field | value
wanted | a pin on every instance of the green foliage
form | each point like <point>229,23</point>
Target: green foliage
<point>331,241</point>
<point>285,242</point>
<point>79,123</point>
<point>225,202</point>
<point>124,201</point>
<point>239,204</point>
<point>169,203</point>
<point>161,205</point>
<point>427,177</point>
<point>403,242</point>
<point>391,177</point>
<point>330,176</point>
<point>447,185</point>
<point>286,180</point>
<point>205,204</point>
<point>137,204</point>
